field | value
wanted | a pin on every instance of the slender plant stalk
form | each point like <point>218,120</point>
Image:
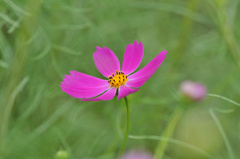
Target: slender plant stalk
<point>162,145</point>
<point>224,98</point>
<point>127,128</point>
<point>224,136</point>
<point>227,31</point>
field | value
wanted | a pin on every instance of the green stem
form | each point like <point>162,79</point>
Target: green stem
<point>162,145</point>
<point>224,136</point>
<point>127,128</point>
<point>227,31</point>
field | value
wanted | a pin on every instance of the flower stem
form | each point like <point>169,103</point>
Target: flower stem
<point>127,128</point>
<point>162,145</point>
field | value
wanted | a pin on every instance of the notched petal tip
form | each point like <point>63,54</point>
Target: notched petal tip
<point>140,77</point>
<point>71,72</point>
<point>106,61</point>
<point>164,52</point>
<point>104,47</point>
<point>97,48</point>
<point>132,57</point>
<point>137,43</point>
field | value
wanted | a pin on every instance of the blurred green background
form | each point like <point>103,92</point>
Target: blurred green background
<point>41,40</point>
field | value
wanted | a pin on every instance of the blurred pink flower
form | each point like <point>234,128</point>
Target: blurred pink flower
<point>193,90</point>
<point>89,88</point>
<point>137,155</point>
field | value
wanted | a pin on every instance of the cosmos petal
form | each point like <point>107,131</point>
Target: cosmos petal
<point>80,85</point>
<point>106,61</point>
<point>139,78</point>
<point>132,57</point>
<point>87,80</point>
<point>124,91</point>
<point>108,95</point>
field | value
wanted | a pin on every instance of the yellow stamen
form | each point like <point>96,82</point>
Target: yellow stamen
<point>118,79</point>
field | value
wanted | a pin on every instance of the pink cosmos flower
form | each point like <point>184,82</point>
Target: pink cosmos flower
<point>121,80</point>
<point>137,155</point>
<point>193,90</point>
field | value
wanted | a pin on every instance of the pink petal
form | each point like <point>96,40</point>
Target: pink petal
<point>139,78</point>
<point>106,61</point>
<point>193,90</point>
<point>137,155</point>
<point>108,95</point>
<point>87,80</point>
<point>124,91</point>
<point>132,57</point>
<point>80,85</point>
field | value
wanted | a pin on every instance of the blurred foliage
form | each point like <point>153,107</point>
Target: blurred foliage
<point>41,40</point>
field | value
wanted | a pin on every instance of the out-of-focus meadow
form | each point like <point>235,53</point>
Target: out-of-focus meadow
<point>41,40</point>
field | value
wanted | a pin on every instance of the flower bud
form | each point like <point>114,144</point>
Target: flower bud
<point>61,154</point>
<point>193,91</point>
<point>137,155</point>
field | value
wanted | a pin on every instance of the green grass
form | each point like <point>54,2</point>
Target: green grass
<point>41,40</point>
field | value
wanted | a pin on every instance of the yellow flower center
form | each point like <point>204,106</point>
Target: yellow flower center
<point>117,79</point>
